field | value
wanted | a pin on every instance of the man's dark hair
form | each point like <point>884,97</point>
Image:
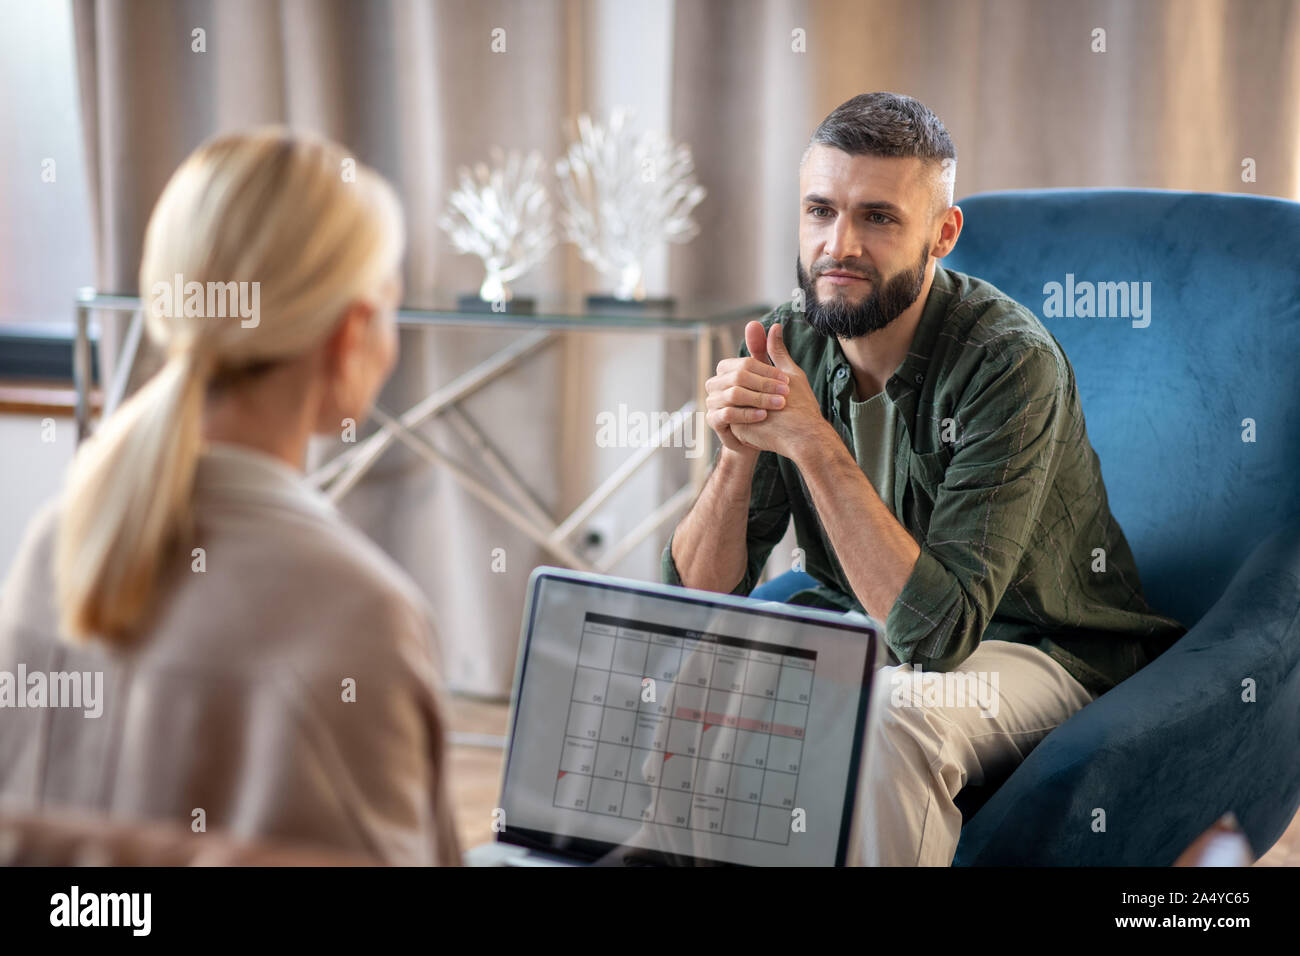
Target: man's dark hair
<point>891,125</point>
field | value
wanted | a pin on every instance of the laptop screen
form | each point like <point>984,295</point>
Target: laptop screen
<point>684,727</point>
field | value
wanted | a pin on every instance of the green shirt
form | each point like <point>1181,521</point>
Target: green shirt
<point>995,479</point>
<point>872,426</point>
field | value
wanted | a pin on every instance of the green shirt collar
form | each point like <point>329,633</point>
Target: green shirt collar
<point>908,379</point>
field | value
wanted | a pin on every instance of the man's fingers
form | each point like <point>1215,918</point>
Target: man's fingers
<point>745,398</point>
<point>734,415</point>
<point>753,366</point>
<point>756,340</point>
<point>759,384</point>
<point>776,348</point>
<point>739,415</point>
<point>762,382</point>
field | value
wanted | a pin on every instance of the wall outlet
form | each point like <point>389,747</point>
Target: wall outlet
<point>596,537</point>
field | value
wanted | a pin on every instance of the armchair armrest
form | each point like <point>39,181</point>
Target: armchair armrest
<point>1209,726</point>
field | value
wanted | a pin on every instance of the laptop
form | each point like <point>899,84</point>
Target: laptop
<point>658,725</point>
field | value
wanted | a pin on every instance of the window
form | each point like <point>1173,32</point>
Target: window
<point>45,224</point>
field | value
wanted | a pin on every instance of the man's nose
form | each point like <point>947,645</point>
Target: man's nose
<point>845,241</point>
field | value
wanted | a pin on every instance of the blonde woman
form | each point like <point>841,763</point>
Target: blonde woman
<point>266,670</point>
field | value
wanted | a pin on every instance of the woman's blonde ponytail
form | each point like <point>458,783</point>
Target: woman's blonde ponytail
<point>127,501</point>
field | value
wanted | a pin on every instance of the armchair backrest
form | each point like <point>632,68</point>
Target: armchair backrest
<point>1180,314</point>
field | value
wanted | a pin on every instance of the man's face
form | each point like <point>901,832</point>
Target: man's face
<point>864,225</point>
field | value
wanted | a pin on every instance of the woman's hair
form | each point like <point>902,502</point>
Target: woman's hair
<point>300,230</point>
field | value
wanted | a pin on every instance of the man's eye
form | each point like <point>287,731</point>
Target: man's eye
<point>819,209</point>
<point>880,218</point>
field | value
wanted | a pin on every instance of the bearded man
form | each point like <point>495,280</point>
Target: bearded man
<point>924,433</point>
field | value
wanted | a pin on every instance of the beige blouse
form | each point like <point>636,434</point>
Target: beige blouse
<point>286,687</point>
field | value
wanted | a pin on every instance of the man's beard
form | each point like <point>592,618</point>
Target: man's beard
<point>846,320</point>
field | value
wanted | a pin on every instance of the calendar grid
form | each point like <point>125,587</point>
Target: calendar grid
<point>650,761</point>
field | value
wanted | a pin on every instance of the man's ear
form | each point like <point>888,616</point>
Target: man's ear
<point>949,230</point>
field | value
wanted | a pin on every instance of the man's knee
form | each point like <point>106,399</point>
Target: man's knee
<point>899,726</point>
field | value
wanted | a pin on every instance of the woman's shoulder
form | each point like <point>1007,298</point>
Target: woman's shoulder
<point>252,581</point>
<point>331,588</point>
<point>29,585</point>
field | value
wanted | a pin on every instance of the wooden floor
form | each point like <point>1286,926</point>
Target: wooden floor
<point>476,771</point>
<point>476,780</point>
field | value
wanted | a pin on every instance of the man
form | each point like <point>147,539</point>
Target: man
<point>924,432</point>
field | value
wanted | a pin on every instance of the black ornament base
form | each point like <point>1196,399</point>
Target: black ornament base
<point>517,306</point>
<point>607,303</point>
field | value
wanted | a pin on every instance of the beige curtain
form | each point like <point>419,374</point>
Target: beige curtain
<point>403,85</point>
<point>1184,92</point>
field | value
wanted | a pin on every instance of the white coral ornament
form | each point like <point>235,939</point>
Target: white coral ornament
<point>621,194</point>
<point>503,216</point>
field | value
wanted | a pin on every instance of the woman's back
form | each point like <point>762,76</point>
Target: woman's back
<point>265,669</point>
<point>285,685</point>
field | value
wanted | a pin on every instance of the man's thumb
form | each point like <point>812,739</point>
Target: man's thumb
<point>776,348</point>
<point>756,340</point>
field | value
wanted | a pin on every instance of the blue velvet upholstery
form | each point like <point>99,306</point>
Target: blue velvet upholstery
<point>784,587</point>
<point>1172,748</point>
<point>1165,403</point>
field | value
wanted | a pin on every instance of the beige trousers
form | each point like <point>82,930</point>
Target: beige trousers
<point>929,734</point>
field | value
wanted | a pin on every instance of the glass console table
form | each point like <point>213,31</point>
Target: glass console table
<point>713,328</point>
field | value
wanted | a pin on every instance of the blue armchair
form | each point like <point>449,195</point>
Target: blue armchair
<point>1194,411</point>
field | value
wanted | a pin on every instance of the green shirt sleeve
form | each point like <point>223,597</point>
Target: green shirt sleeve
<point>985,510</point>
